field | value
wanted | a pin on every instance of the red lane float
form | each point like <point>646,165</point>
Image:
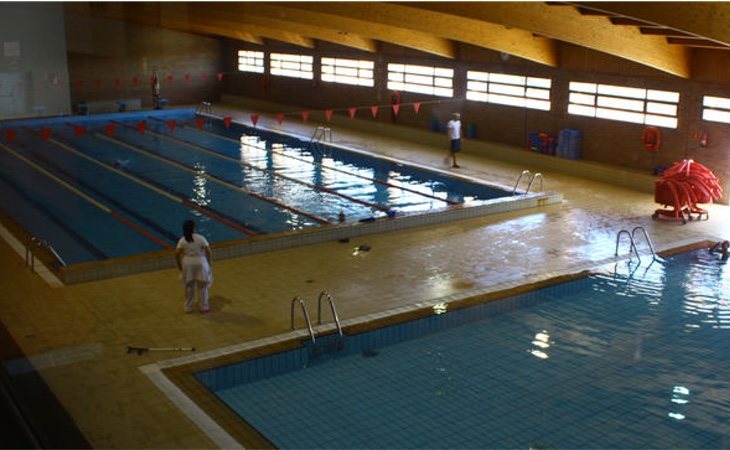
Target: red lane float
<point>682,187</point>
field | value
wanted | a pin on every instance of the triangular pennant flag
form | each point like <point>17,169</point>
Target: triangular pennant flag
<point>305,116</point>
<point>227,122</point>
<point>219,75</point>
<point>416,106</point>
<point>79,83</point>
<point>135,81</point>
<point>279,117</point>
<point>171,125</point>
<point>187,77</point>
<point>117,82</point>
<point>328,114</point>
<point>97,82</point>
<point>352,112</point>
<point>169,77</point>
<point>374,110</point>
<point>10,135</point>
<point>45,133</point>
<point>79,130</point>
<point>203,76</point>
<point>141,126</point>
<point>110,129</point>
<point>396,107</point>
<point>254,119</point>
<point>199,122</point>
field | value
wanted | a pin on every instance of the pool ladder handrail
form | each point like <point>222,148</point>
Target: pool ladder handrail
<point>532,176</point>
<point>305,312</point>
<point>204,107</point>
<point>321,133</point>
<point>648,240</point>
<point>632,240</point>
<point>336,318</point>
<point>36,242</point>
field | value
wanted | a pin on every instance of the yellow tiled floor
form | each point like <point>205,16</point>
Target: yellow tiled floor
<point>78,335</point>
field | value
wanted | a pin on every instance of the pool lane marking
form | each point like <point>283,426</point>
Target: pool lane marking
<point>211,178</point>
<point>111,201</point>
<point>334,169</point>
<point>89,199</point>
<point>181,200</point>
<point>270,172</point>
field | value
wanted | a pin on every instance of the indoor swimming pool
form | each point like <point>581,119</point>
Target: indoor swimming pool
<point>635,357</point>
<point>108,186</point>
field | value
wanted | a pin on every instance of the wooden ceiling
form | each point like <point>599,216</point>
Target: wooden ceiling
<point>660,35</point>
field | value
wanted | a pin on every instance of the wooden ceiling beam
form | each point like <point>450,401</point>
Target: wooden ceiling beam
<point>180,15</point>
<point>517,42</point>
<point>592,32</point>
<point>302,14</point>
<point>209,11</point>
<point>710,20</point>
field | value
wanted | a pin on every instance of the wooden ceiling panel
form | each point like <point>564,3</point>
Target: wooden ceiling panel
<point>656,34</point>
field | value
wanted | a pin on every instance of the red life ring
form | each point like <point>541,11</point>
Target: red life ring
<point>651,137</point>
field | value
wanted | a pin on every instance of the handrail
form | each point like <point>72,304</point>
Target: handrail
<point>323,130</point>
<point>524,172</point>
<point>532,179</point>
<point>204,107</point>
<point>646,236</point>
<point>631,240</point>
<point>306,316</point>
<point>34,241</point>
<point>325,294</point>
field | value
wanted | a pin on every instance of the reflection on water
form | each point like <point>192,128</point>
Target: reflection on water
<point>629,359</point>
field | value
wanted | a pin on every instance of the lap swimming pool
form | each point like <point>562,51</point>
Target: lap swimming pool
<point>111,186</point>
<point>630,359</point>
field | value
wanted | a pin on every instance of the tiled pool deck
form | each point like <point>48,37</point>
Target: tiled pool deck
<point>77,336</point>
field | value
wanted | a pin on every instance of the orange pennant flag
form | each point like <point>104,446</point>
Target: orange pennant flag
<point>219,75</point>
<point>227,122</point>
<point>305,116</point>
<point>141,126</point>
<point>352,112</point>
<point>171,125</point>
<point>396,107</point>
<point>254,119</point>
<point>79,130</point>
<point>110,129</point>
<point>199,122</point>
<point>328,114</point>
<point>416,107</point>
<point>10,135</point>
<point>279,117</point>
<point>374,110</point>
<point>45,133</point>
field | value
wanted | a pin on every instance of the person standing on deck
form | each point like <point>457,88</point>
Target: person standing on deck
<point>155,81</point>
<point>194,258</point>
<point>453,127</point>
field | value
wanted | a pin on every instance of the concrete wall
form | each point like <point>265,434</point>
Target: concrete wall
<point>33,70</point>
<point>605,141</point>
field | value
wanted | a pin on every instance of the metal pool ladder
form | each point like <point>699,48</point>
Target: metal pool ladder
<point>632,241</point>
<point>325,294</point>
<point>305,312</point>
<point>306,316</point>
<point>321,133</point>
<point>533,177</point>
<point>35,242</point>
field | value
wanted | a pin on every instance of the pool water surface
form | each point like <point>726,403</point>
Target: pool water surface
<point>117,185</point>
<point>635,358</point>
